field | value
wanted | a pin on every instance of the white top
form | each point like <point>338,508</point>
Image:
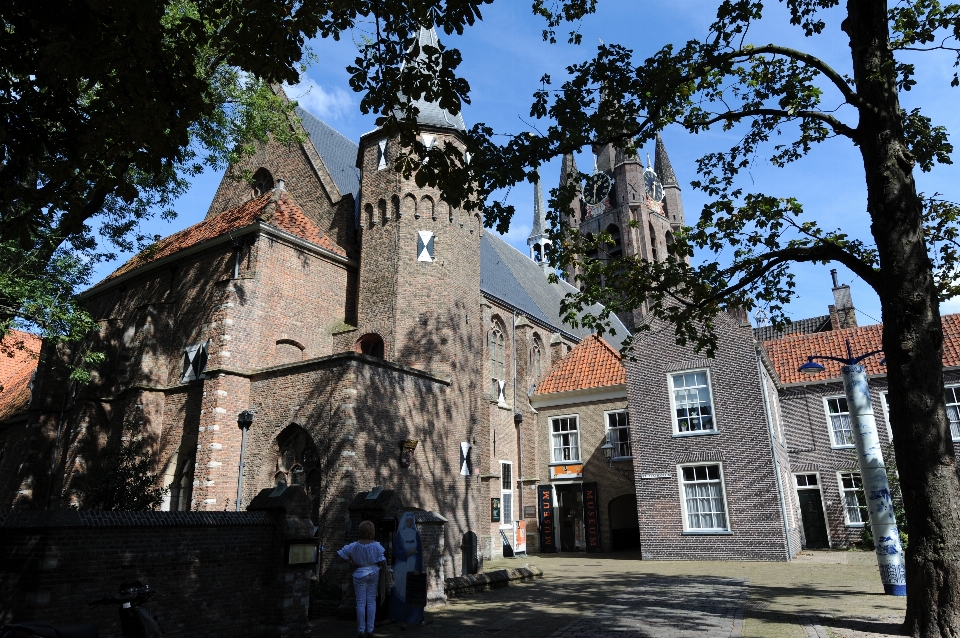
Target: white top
<point>366,555</point>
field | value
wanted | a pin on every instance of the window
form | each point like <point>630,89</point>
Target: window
<point>807,480</point>
<point>886,415</point>
<point>194,362</point>
<point>692,402</point>
<point>854,500</point>
<point>951,396</point>
<point>703,498</point>
<point>262,182</point>
<point>841,434</point>
<point>566,438</point>
<point>535,361</point>
<point>496,362</point>
<point>618,433</point>
<point>614,250</point>
<point>506,494</point>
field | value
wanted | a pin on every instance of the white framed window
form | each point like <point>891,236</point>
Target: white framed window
<point>838,422</point>
<point>565,437</point>
<point>951,396</point>
<point>618,433</point>
<point>194,361</point>
<point>807,480</point>
<point>886,414</point>
<point>703,498</point>
<point>854,500</point>
<point>506,494</point>
<point>691,401</point>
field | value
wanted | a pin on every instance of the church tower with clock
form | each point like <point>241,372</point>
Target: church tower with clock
<point>621,190</point>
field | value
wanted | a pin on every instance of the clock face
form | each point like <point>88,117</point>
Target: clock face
<point>652,185</point>
<point>596,188</point>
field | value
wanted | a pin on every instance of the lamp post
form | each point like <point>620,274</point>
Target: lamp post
<point>244,421</point>
<point>872,470</point>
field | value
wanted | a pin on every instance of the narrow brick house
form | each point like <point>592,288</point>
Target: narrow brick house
<point>585,501</point>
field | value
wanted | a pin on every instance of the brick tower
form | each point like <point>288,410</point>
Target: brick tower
<point>621,190</point>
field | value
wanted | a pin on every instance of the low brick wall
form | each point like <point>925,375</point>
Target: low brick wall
<point>216,573</point>
<point>472,583</point>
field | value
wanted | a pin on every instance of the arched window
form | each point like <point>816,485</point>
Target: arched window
<point>395,206</point>
<point>382,210</point>
<point>368,210</point>
<point>371,344</point>
<point>186,487</point>
<point>592,253</point>
<point>299,460</point>
<point>262,182</point>
<point>668,238</point>
<point>614,251</point>
<point>653,243</point>
<point>426,208</point>
<point>537,253</point>
<point>178,479</point>
<point>496,359</point>
<point>536,355</point>
<point>410,206</point>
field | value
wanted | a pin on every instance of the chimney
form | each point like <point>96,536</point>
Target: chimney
<point>842,312</point>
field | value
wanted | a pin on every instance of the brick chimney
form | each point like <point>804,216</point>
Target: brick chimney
<point>842,312</point>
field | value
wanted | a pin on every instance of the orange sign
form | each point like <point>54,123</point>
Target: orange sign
<point>520,537</point>
<point>566,471</point>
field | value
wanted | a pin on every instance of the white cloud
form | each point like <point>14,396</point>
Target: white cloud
<point>326,104</point>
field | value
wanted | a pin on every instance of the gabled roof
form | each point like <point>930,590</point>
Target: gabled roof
<point>512,277</point>
<point>338,153</point>
<point>275,208</point>
<point>18,361</point>
<point>801,326</point>
<point>789,353</point>
<point>592,363</point>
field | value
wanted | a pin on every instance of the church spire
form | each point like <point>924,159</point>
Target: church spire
<point>430,113</point>
<point>539,238</point>
<point>662,167</point>
<point>672,201</point>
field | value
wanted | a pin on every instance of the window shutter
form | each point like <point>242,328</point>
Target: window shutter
<point>425,245</point>
<point>381,155</point>
<point>189,354</point>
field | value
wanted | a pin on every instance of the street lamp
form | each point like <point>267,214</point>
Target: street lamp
<point>873,473</point>
<point>244,421</point>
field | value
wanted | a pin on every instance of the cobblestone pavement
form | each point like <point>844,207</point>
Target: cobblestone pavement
<point>819,595</point>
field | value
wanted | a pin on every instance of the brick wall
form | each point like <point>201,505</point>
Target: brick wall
<point>741,446</point>
<point>216,574</point>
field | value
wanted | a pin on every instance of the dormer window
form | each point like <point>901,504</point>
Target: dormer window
<point>194,362</point>
<point>262,182</point>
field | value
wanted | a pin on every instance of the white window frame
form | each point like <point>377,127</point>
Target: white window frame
<point>952,386</point>
<point>683,500</point>
<point>191,352</point>
<point>886,414</point>
<point>506,489</point>
<point>673,404</point>
<point>843,498</point>
<point>606,423</point>
<point>826,412</point>
<point>551,434</point>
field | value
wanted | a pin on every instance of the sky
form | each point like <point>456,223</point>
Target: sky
<point>504,58</point>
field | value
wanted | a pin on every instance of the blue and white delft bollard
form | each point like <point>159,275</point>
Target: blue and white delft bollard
<point>875,486</point>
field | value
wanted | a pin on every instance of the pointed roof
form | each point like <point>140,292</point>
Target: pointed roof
<point>568,168</point>
<point>338,153</point>
<point>509,276</point>
<point>430,113</point>
<point>662,166</point>
<point>539,209</point>
<point>275,208</point>
<point>593,363</point>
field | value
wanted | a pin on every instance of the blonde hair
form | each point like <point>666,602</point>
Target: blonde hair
<point>367,530</point>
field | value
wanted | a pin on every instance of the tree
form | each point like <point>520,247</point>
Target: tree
<point>106,108</point>
<point>772,98</point>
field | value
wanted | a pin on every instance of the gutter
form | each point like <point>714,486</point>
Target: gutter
<point>256,227</point>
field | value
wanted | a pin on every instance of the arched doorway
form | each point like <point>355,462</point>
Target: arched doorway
<point>624,524</point>
<point>298,463</point>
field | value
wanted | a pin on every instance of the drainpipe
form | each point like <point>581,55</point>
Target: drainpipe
<point>244,421</point>
<point>518,421</point>
<point>776,460</point>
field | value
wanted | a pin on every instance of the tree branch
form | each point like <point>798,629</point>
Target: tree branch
<point>839,127</point>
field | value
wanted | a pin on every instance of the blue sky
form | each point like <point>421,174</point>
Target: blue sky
<point>504,58</point>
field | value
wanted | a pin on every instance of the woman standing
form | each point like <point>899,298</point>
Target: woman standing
<point>366,558</point>
<point>408,559</point>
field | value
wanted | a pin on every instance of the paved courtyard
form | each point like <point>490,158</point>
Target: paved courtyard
<point>820,595</point>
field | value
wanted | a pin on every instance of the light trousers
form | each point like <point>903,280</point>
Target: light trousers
<point>366,588</point>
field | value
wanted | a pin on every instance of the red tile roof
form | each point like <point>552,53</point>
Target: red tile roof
<point>18,360</point>
<point>593,363</point>
<point>788,353</point>
<point>276,209</point>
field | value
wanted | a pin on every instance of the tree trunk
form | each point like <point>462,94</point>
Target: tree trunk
<point>912,335</point>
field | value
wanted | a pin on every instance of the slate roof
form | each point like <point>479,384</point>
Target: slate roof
<point>18,361</point>
<point>510,276</point>
<point>275,208</point>
<point>429,112</point>
<point>338,153</point>
<point>662,166</point>
<point>802,326</point>
<point>539,209</point>
<point>788,353</point>
<point>592,363</point>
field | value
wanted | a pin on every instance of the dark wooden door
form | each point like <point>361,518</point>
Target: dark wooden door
<point>811,511</point>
